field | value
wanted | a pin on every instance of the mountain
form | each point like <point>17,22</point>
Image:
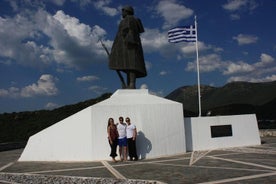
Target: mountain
<point>233,98</point>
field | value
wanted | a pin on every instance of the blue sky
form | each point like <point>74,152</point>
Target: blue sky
<point>50,55</point>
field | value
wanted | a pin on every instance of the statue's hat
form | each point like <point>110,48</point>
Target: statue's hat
<point>128,9</point>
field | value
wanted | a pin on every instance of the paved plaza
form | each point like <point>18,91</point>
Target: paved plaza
<point>236,165</point>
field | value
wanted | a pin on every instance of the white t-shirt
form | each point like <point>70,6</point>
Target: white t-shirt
<point>121,130</point>
<point>130,130</point>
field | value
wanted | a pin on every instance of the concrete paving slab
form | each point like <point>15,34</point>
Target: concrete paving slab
<point>235,165</point>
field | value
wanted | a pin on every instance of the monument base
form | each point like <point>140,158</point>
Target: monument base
<point>83,136</point>
<point>215,132</point>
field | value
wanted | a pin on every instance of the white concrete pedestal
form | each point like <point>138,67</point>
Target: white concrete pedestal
<point>83,136</point>
<point>199,135</point>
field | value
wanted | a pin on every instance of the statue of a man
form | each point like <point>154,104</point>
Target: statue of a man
<point>127,53</point>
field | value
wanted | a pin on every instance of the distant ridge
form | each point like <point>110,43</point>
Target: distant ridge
<point>233,98</point>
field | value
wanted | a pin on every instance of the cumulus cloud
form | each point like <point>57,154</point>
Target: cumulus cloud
<point>44,39</point>
<point>97,89</point>
<point>144,86</point>
<point>154,40</point>
<point>78,45</point>
<point>239,67</point>
<point>265,60</point>
<point>237,6</point>
<point>51,105</point>
<point>208,63</point>
<point>264,66</point>
<point>190,48</point>
<point>234,5</point>
<point>58,2</point>
<point>245,39</point>
<point>102,5</point>
<point>250,78</point>
<point>260,71</point>
<point>235,16</point>
<point>168,8</point>
<point>156,93</point>
<point>162,73</point>
<point>87,78</point>
<point>45,86</point>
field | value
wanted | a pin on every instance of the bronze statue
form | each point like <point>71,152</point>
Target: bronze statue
<point>127,52</point>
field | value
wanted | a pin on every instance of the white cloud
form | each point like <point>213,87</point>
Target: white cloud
<point>239,67</point>
<point>51,105</point>
<point>4,93</point>
<point>153,40</point>
<point>208,63</point>
<point>83,3</point>
<point>189,48</point>
<point>148,65</point>
<point>162,73</point>
<point>235,16</point>
<point>45,39</point>
<point>235,7</point>
<point>245,39</point>
<point>144,86</point>
<point>87,78</point>
<point>271,78</point>
<point>250,78</point>
<point>103,6</point>
<point>172,12</point>
<point>78,46</point>
<point>261,71</point>
<point>265,60</point>
<point>58,2</point>
<point>45,86</point>
<point>83,34</point>
<point>97,89</point>
<point>156,93</point>
<point>257,69</point>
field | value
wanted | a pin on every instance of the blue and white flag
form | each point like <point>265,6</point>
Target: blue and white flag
<point>182,34</point>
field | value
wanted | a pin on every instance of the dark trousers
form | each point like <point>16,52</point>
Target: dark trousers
<point>113,147</point>
<point>132,149</point>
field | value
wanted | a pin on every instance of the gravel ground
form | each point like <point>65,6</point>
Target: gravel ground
<point>36,178</point>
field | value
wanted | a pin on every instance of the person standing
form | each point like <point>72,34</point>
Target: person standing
<point>112,138</point>
<point>127,52</point>
<point>122,141</point>
<point>131,140</point>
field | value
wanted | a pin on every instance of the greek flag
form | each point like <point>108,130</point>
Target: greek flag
<point>182,34</point>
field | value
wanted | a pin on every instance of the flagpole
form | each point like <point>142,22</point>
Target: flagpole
<point>198,79</point>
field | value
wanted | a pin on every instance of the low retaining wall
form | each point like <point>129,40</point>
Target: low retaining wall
<point>268,133</point>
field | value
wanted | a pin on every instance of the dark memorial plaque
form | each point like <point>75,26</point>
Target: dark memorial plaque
<point>221,131</point>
